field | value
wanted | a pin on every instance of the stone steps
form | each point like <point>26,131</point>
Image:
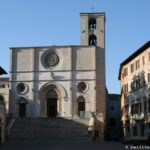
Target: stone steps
<point>55,128</point>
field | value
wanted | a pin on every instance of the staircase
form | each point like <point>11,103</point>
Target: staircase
<point>54,128</point>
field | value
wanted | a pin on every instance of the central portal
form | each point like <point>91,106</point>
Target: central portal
<point>52,107</point>
<point>51,101</point>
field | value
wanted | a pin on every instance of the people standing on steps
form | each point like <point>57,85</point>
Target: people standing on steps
<point>93,127</point>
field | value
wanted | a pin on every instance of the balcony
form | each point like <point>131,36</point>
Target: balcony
<point>147,117</point>
<point>138,116</point>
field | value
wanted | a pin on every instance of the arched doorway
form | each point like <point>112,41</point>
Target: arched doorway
<point>81,106</point>
<point>22,106</point>
<point>51,98</point>
<point>52,105</point>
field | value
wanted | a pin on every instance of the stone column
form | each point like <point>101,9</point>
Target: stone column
<point>59,108</point>
<point>43,109</point>
<point>35,78</point>
<point>71,85</point>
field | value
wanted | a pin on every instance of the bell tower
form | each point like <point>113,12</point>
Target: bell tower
<point>92,32</point>
<point>93,29</point>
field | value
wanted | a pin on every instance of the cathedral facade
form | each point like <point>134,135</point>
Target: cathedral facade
<point>61,81</point>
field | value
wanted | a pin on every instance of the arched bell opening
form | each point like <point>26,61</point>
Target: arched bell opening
<point>92,24</point>
<point>92,40</point>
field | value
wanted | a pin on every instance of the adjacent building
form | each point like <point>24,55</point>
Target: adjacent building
<point>2,112</point>
<point>2,71</point>
<point>62,81</point>
<point>4,92</point>
<point>114,126</point>
<point>134,74</point>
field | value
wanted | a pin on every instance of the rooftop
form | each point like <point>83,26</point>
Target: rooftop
<point>4,79</point>
<point>114,97</point>
<point>132,56</point>
<point>2,71</point>
<point>93,13</point>
<point>54,46</point>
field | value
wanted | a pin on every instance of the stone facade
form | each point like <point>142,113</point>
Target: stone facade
<point>4,92</point>
<point>135,93</point>
<point>65,81</point>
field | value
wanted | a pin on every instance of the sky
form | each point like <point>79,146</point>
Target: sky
<point>57,22</point>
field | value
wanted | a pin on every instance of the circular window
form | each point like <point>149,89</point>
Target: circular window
<point>82,87</point>
<point>51,59</point>
<point>21,88</point>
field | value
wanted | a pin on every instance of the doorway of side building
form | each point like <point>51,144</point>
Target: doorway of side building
<point>22,109</point>
<point>52,107</point>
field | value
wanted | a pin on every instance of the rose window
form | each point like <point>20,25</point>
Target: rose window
<point>51,59</point>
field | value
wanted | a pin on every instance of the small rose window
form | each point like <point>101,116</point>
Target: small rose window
<point>21,88</point>
<point>82,87</point>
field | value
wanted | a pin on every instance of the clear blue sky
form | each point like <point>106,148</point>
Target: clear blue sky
<point>57,22</point>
